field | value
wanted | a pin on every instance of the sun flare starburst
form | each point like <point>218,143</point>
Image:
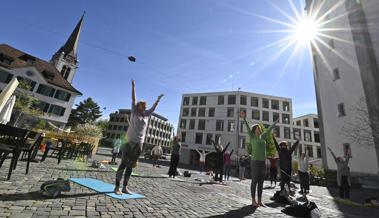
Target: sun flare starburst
<point>306,30</point>
<point>302,31</point>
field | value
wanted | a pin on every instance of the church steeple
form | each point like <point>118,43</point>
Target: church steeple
<point>71,46</point>
<point>65,59</point>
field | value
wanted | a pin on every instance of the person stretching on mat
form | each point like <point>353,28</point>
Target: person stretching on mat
<point>285,162</point>
<point>139,119</point>
<point>257,151</point>
<point>220,159</point>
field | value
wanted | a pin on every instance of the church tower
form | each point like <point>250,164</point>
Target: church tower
<point>65,59</point>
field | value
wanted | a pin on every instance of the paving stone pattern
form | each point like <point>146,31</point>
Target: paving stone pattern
<point>19,197</point>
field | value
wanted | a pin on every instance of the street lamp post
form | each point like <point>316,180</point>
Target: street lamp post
<point>238,124</point>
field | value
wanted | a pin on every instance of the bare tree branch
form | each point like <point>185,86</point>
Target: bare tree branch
<point>362,130</point>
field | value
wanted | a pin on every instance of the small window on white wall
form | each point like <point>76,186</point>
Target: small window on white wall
<point>341,110</point>
<point>331,44</point>
<point>347,150</point>
<point>336,74</point>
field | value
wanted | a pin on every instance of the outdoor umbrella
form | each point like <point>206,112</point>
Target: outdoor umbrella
<point>8,92</point>
<point>6,112</point>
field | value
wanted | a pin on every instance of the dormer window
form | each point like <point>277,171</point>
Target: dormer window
<point>5,59</point>
<point>48,75</point>
<point>28,58</point>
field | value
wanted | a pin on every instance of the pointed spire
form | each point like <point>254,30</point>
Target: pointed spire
<point>71,46</point>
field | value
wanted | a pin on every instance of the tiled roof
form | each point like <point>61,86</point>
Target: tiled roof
<point>48,71</point>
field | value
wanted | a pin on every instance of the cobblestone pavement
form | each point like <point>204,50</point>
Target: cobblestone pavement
<point>165,197</point>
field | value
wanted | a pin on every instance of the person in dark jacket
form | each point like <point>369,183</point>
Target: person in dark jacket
<point>285,161</point>
<point>220,159</point>
<point>175,156</point>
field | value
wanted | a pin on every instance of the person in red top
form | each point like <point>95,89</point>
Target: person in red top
<point>273,169</point>
<point>227,163</point>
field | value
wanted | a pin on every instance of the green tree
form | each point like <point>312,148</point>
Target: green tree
<point>87,111</point>
<point>102,124</point>
<point>270,149</point>
<point>26,104</point>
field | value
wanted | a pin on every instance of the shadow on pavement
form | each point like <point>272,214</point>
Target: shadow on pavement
<point>275,205</point>
<point>81,170</point>
<point>354,206</point>
<point>39,196</point>
<point>151,177</point>
<point>241,212</point>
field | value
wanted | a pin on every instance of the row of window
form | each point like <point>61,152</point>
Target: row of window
<point>309,149</point>
<point>276,131</point>
<point>153,141</point>
<point>306,122</point>
<point>255,114</point>
<point>232,99</point>
<point>154,132</point>
<point>151,131</point>
<point>45,90</point>
<point>231,127</point>
<point>154,123</point>
<point>50,108</point>
<point>307,135</point>
<point>149,140</point>
<point>199,139</point>
<point>117,127</point>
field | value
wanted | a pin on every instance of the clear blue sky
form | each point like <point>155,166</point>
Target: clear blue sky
<point>181,47</point>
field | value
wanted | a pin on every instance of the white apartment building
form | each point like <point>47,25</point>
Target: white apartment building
<point>50,82</point>
<point>216,115</point>
<point>306,129</point>
<point>346,80</point>
<point>159,130</point>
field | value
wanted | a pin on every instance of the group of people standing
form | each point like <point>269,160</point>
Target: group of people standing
<point>135,136</point>
<point>257,150</point>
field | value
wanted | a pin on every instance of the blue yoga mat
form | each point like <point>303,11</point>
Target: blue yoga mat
<point>103,187</point>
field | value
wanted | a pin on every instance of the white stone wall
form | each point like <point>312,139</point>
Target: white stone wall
<point>348,90</point>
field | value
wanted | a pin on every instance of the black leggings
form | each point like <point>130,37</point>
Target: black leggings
<point>273,174</point>
<point>304,181</point>
<point>173,165</point>
<point>285,176</point>
<point>258,171</point>
<point>344,188</point>
<point>130,156</point>
<point>219,171</point>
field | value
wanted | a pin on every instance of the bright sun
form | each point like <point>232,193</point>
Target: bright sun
<point>306,30</point>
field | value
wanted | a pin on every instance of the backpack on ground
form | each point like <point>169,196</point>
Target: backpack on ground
<point>371,202</point>
<point>53,188</point>
<point>281,198</point>
<point>187,174</point>
<point>308,210</point>
<point>95,164</point>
